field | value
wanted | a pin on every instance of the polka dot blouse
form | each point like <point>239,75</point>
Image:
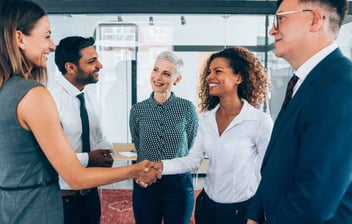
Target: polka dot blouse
<point>163,131</point>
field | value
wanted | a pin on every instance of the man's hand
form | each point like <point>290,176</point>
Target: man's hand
<point>249,221</point>
<point>100,158</point>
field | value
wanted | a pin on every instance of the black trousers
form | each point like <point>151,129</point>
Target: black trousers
<point>80,209</point>
<point>210,212</point>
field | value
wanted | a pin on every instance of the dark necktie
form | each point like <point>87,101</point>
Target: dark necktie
<point>85,124</point>
<point>289,90</point>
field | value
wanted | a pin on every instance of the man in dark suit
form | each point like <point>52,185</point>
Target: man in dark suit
<point>307,169</point>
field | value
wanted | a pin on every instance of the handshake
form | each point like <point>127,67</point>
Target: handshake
<point>147,172</point>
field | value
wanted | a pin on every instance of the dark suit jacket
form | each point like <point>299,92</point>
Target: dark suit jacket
<point>307,169</point>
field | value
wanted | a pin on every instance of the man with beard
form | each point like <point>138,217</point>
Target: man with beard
<point>77,60</point>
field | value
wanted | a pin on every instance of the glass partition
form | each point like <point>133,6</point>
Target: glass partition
<point>128,44</point>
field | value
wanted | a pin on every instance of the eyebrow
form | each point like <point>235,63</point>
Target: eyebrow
<point>219,67</point>
<point>92,58</point>
<point>162,70</point>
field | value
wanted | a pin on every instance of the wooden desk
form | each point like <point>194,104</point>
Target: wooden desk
<point>121,148</point>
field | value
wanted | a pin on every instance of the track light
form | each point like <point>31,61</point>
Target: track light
<point>119,19</point>
<point>151,21</point>
<point>183,20</point>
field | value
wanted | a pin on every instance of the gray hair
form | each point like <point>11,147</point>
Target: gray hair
<point>171,57</point>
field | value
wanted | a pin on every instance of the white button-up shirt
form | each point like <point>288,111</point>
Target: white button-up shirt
<point>235,157</point>
<point>68,105</point>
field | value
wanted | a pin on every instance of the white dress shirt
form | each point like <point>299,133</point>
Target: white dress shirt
<point>235,157</point>
<point>68,105</point>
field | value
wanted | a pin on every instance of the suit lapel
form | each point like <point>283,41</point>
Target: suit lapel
<point>299,98</point>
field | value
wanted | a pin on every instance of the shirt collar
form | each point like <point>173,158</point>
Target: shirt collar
<point>68,87</point>
<point>308,66</point>
<point>165,104</point>
<point>245,113</point>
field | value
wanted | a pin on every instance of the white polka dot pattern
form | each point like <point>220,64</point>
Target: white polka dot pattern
<point>163,131</point>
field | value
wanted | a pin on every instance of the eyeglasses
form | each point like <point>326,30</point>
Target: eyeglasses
<point>278,17</point>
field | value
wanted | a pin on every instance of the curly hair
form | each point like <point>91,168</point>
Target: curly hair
<point>255,81</point>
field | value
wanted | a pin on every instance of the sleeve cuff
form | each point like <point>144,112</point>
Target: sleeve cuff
<point>83,158</point>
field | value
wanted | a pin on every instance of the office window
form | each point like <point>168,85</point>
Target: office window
<point>129,44</point>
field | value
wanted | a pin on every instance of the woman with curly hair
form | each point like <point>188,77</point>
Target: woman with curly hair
<point>232,133</point>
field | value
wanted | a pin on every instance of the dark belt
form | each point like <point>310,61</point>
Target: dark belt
<point>240,208</point>
<point>66,193</point>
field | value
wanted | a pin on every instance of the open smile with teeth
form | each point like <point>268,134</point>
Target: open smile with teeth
<point>213,84</point>
<point>46,56</point>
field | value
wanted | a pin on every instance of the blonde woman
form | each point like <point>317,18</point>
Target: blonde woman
<point>33,146</point>
<point>163,127</point>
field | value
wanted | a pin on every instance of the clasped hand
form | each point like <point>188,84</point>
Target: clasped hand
<point>149,172</point>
